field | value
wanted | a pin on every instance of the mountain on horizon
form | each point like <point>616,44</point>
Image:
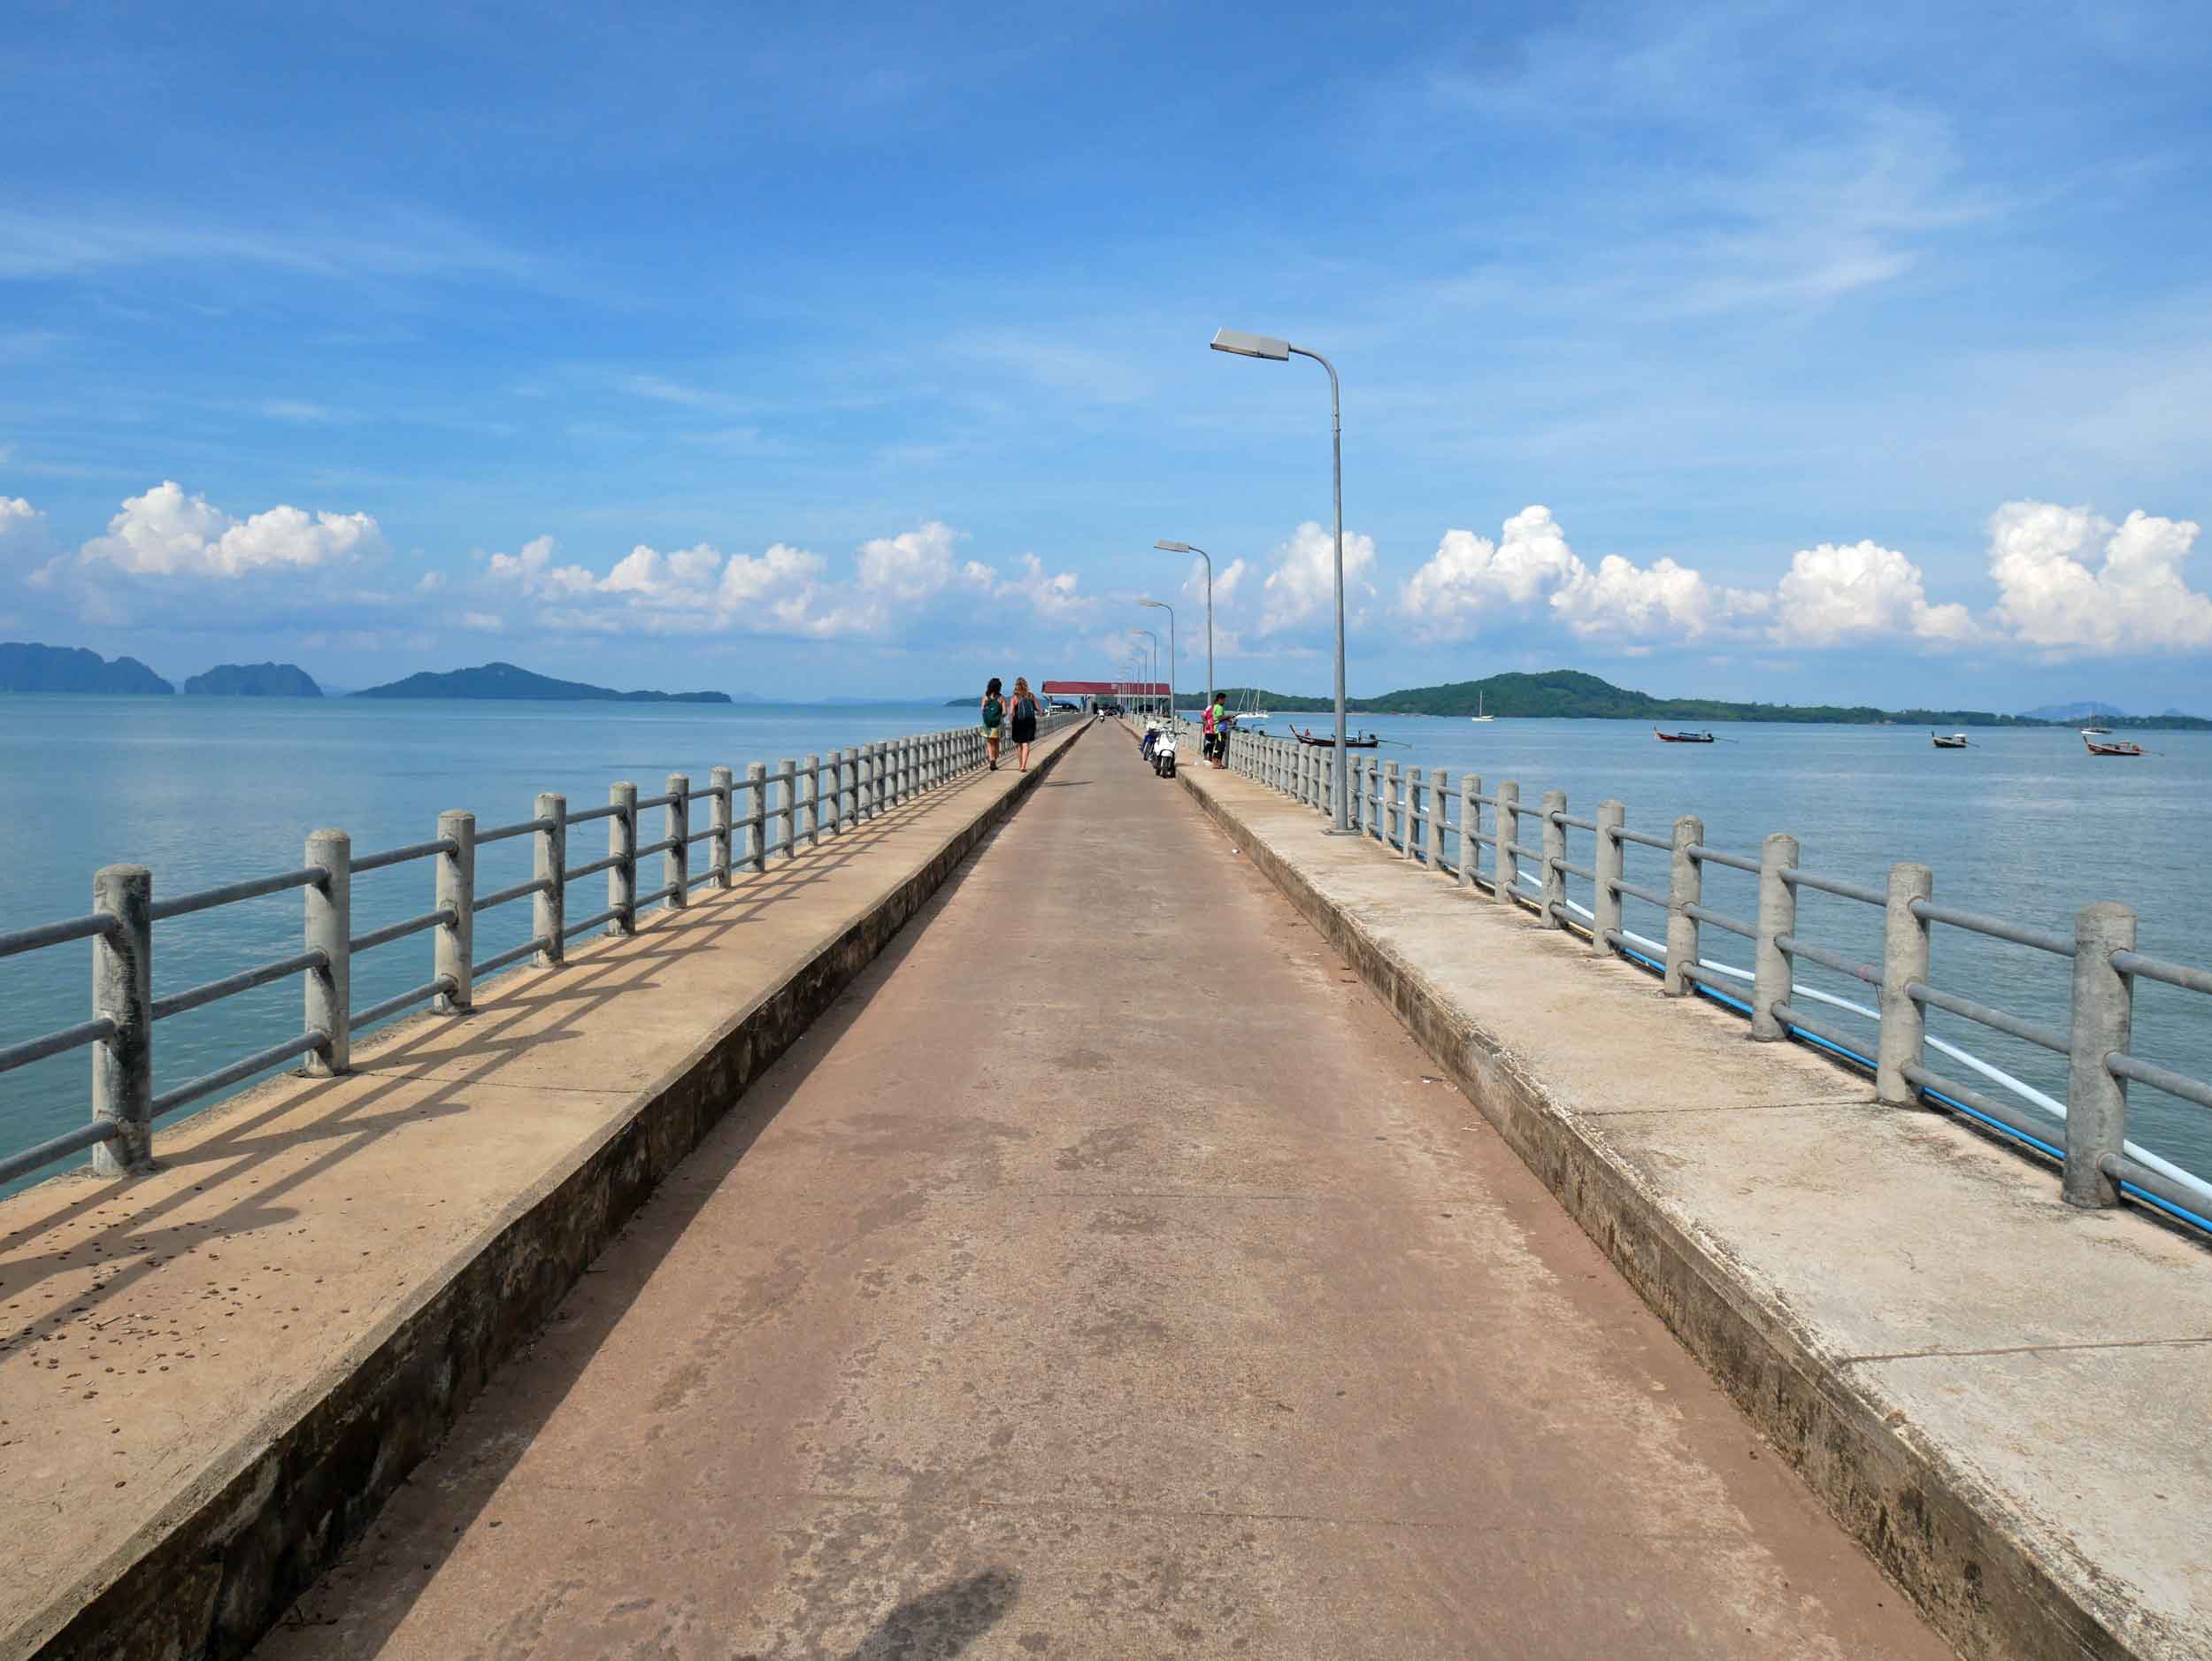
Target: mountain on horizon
<point>507,680</point>
<point>29,666</point>
<point>2080,711</point>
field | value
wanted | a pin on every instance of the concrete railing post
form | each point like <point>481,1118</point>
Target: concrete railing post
<point>1771,969</point>
<point>1685,888</point>
<point>849,808</point>
<point>330,931</point>
<point>811,800</point>
<point>622,849</point>
<point>676,828</point>
<point>548,858</point>
<point>1409,822</point>
<point>1505,880</point>
<point>454,942</point>
<point>123,993</point>
<point>1469,827</point>
<point>756,816</point>
<point>724,785</point>
<point>1605,924</point>
<point>1555,846</point>
<point>1393,813</point>
<point>2104,1017</point>
<point>865,790</point>
<point>1904,960</point>
<point>1439,795</point>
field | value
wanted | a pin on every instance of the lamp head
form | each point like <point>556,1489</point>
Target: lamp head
<point>1172,548</point>
<point>1230,340</point>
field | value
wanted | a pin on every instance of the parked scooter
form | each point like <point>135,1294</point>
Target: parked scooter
<point>1163,754</point>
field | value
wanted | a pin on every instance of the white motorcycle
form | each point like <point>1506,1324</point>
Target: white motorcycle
<point>1163,753</point>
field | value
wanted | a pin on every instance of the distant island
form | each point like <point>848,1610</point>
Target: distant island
<point>1569,694</point>
<point>505,681</point>
<point>26,666</point>
<point>254,681</point>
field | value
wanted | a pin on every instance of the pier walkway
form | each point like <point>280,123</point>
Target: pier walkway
<point>1106,1274</point>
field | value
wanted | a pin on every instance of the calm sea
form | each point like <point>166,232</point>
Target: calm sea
<point>212,790</point>
<point>206,791</point>
<point>2025,825</point>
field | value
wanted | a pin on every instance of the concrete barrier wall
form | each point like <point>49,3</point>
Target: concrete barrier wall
<point>216,1569</point>
<point>1966,1556</point>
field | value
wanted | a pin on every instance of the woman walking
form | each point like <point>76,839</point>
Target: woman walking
<point>1024,720</point>
<point>994,718</point>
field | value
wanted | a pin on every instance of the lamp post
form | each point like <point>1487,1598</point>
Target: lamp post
<point>1185,547</point>
<point>1155,677</point>
<point>1243,345</point>
<point>1164,606</point>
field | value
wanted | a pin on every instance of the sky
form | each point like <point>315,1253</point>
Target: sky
<point>1762,351</point>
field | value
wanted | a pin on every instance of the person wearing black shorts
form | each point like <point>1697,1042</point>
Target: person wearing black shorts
<point>1022,712</point>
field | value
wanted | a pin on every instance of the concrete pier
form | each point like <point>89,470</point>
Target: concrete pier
<point>1106,1274</point>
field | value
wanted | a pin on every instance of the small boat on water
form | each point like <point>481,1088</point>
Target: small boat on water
<point>2097,732</point>
<point>1682,738</point>
<point>2117,747</point>
<point>1359,741</point>
<point>1480,715</point>
<point>1948,741</point>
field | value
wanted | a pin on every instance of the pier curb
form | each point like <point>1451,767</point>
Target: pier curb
<point>1970,1562</point>
<point>305,1476</point>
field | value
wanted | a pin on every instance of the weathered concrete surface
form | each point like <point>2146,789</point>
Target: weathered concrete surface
<point>2006,1400</point>
<point>1107,1275</point>
<point>210,1377</point>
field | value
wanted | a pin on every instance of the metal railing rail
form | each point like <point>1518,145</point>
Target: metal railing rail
<point>1413,813</point>
<point>820,799</point>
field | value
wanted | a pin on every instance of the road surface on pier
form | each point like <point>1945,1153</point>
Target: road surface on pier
<point>1108,1274</point>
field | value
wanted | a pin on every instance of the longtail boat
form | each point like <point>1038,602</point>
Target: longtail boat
<point>2117,747</point>
<point>1682,738</point>
<point>1364,741</point>
<point>1951,741</point>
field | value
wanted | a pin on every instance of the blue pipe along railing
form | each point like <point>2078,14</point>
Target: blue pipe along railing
<point>750,821</point>
<point>1412,813</point>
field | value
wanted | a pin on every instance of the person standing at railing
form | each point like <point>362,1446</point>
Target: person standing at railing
<point>994,720</point>
<point>1024,720</point>
<point>1217,721</point>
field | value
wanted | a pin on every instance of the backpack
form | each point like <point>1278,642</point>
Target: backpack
<point>993,709</point>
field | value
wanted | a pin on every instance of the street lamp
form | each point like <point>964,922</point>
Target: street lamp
<point>1243,345</point>
<point>1155,680</point>
<point>1185,547</point>
<point>1165,606</point>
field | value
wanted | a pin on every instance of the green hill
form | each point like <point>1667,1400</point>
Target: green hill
<point>26,666</point>
<point>505,681</point>
<point>1569,694</point>
<point>254,681</point>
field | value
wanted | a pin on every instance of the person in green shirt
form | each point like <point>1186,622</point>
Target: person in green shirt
<point>1217,730</point>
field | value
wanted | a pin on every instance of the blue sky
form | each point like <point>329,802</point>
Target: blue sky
<point>1758,351</point>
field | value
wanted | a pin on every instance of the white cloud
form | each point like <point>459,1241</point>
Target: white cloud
<point>1623,597</point>
<point>2136,597</point>
<point>1052,597</point>
<point>165,533</point>
<point>21,525</point>
<point>1470,574</point>
<point>1303,583</point>
<point>1831,594</point>
<point>785,590</point>
<point>911,566</point>
<point>534,572</point>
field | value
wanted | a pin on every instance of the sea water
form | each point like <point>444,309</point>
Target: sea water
<point>2025,825</point>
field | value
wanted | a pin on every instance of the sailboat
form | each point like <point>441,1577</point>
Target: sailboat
<point>1478,715</point>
